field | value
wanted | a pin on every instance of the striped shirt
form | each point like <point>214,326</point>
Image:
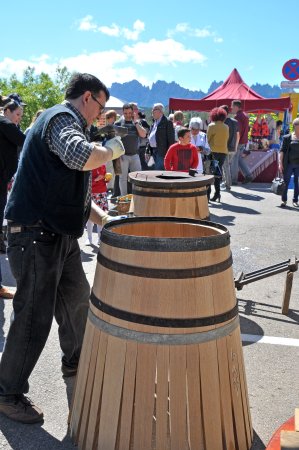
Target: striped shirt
<point>69,139</point>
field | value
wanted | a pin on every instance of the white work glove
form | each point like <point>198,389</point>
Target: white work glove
<point>115,144</point>
<point>106,218</point>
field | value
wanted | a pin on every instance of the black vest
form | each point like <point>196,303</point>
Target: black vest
<point>45,190</point>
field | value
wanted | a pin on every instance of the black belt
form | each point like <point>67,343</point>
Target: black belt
<point>13,227</point>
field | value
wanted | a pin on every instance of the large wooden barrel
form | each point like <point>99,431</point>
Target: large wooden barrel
<point>170,194</point>
<point>162,365</point>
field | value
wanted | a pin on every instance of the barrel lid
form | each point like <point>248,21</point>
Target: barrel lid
<point>169,179</point>
<point>110,236</point>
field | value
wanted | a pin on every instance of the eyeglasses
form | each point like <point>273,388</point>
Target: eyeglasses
<point>156,109</point>
<point>100,105</point>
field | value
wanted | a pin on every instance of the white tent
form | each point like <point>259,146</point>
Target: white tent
<point>114,103</point>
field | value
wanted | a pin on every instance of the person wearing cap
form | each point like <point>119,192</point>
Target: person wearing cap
<point>161,136</point>
<point>47,210</point>
<point>11,137</point>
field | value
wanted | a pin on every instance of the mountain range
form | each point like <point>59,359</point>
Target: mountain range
<point>134,91</point>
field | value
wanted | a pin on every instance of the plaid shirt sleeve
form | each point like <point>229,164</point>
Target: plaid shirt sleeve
<point>67,140</point>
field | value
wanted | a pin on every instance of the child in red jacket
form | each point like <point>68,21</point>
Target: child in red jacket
<point>182,155</point>
<point>99,196</point>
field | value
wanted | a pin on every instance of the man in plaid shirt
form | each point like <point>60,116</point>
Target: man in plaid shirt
<point>46,213</point>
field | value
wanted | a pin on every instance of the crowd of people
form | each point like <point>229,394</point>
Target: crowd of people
<point>53,197</point>
<point>172,144</point>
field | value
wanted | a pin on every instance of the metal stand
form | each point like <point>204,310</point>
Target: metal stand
<point>290,266</point>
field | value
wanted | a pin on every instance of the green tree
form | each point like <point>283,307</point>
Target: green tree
<point>37,91</point>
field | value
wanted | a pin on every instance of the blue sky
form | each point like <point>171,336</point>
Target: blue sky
<point>191,43</point>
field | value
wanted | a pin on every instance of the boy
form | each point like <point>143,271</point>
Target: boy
<point>182,155</point>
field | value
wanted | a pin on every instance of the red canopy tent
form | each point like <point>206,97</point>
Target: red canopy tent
<point>233,88</point>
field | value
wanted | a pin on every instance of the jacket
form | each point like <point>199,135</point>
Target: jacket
<point>164,135</point>
<point>11,137</point>
<point>285,150</point>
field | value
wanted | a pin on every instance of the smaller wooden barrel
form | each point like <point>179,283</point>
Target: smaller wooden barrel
<point>161,366</point>
<point>170,194</point>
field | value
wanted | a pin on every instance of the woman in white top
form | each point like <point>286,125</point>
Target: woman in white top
<point>199,139</point>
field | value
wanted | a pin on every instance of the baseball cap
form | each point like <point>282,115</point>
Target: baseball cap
<point>17,98</point>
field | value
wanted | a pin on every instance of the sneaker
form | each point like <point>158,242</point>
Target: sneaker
<point>296,204</point>
<point>247,180</point>
<point>20,408</point>
<point>283,204</point>
<point>68,371</point>
<point>5,293</point>
<point>88,242</point>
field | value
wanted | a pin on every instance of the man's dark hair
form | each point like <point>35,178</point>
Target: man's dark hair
<point>182,131</point>
<point>237,103</point>
<point>225,107</point>
<point>278,123</point>
<point>82,82</point>
<point>128,106</point>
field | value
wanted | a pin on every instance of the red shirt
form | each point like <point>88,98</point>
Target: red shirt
<point>181,157</point>
<point>243,122</point>
<point>99,186</point>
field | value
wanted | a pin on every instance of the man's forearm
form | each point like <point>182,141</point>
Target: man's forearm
<point>96,214</point>
<point>281,158</point>
<point>140,130</point>
<point>237,140</point>
<point>99,156</point>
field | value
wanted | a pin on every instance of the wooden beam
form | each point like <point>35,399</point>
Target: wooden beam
<point>287,293</point>
<point>289,440</point>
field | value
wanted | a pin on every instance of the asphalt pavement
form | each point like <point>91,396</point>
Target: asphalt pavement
<point>262,234</point>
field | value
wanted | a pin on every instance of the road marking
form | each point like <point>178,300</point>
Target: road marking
<point>270,340</point>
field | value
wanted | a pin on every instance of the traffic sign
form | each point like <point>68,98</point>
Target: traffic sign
<point>289,84</point>
<point>290,69</point>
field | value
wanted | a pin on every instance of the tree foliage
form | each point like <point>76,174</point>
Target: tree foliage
<point>38,91</point>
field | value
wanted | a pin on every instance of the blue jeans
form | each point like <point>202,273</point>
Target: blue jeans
<point>159,161</point>
<point>50,283</point>
<point>220,157</point>
<point>291,169</point>
<point>238,162</point>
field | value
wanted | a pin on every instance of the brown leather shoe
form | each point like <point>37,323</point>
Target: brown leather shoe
<point>5,293</point>
<point>20,408</point>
